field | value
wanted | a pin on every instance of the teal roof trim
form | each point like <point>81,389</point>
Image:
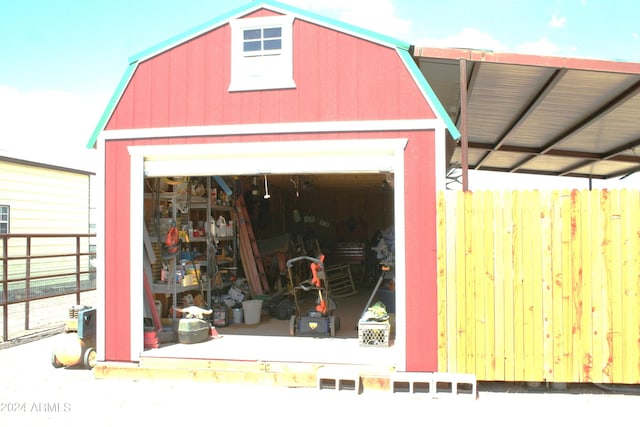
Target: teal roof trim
<point>191,33</point>
<point>339,25</point>
<point>269,4</point>
<point>428,92</point>
<point>124,81</point>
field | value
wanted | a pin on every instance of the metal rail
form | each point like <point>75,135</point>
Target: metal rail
<point>12,264</point>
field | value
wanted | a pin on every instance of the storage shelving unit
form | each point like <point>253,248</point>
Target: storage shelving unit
<point>200,211</point>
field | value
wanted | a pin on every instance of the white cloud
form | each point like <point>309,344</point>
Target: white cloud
<point>374,15</point>
<point>557,22</point>
<point>470,38</point>
<point>50,127</point>
<point>540,47</point>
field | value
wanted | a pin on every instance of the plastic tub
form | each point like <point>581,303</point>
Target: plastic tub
<point>252,311</point>
<point>237,315</point>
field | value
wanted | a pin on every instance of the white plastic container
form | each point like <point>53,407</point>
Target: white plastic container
<point>252,311</point>
<point>237,315</point>
<point>221,226</point>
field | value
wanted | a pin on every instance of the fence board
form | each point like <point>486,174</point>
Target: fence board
<point>476,237</point>
<point>547,286</point>
<point>627,300</point>
<point>527,286</point>
<point>499,294</point>
<point>533,289</point>
<point>489,283</point>
<point>634,280</point>
<point>450,363</point>
<point>541,286</point>
<point>567,317</point>
<point>556,249</point>
<point>615,286</point>
<point>575,244</point>
<point>630,212</point>
<point>461,300</point>
<point>509,289</point>
<point>469,311</point>
<point>607,355</point>
<point>442,283</point>
<point>537,288</point>
<point>518,299</point>
<point>585,363</point>
<point>598,309</point>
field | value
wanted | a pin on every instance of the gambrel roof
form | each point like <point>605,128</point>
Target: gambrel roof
<point>401,47</point>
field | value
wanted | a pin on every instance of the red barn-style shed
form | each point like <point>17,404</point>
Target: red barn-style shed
<point>315,96</point>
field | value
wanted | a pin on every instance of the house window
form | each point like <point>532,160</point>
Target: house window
<point>262,41</point>
<point>4,219</point>
<point>262,53</point>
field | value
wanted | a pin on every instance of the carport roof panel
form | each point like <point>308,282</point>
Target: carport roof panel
<point>523,108</point>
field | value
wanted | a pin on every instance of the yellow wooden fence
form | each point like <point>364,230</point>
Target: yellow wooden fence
<point>540,286</point>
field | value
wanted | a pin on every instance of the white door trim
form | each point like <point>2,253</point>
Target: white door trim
<point>356,155</point>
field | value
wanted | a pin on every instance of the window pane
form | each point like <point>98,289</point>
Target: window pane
<point>252,34</point>
<point>273,44</point>
<point>270,33</point>
<point>252,46</point>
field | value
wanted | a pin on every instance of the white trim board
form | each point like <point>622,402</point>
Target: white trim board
<point>338,156</point>
<point>100,217</point>
<point>274,128</point>
<point>290,157</point>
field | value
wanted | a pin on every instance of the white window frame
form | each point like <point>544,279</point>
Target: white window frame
<point>5,209</point>
<point>263,69</point>
<point>262,39</point>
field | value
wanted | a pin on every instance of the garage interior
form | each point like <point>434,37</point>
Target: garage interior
<point>345,217</point>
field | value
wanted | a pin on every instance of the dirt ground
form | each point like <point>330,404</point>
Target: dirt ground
<point>33,391</point>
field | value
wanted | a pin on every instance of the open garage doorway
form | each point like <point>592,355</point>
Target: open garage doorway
<point>342,206</point>
<point>347,219</point>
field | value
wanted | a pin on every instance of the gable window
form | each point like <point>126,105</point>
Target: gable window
<point>4,219</point>
<point>262,53</point>
<point>262,41</point>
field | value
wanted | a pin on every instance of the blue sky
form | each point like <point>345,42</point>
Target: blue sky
<point>62,59</point>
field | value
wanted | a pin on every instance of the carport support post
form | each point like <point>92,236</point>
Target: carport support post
<point>464,142</point>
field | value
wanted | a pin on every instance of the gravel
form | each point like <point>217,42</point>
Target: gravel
<point>32,391</point>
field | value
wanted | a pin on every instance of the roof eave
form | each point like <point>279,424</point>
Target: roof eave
<point>588,64</point>
<point>111,105</point>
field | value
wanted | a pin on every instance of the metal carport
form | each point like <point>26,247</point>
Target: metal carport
<point>537,114</point>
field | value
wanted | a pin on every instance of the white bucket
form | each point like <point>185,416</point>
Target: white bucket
<point>252,311</point>
<point>236,315</point>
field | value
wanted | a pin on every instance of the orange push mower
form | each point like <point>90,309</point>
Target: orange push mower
<point>320,320</point>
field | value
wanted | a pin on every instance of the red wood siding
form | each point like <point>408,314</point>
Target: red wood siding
<point>338,78</point>
<point>420,221</point>
<point>187,85</point>
<point>421,258</point>
<point>117,254</point>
